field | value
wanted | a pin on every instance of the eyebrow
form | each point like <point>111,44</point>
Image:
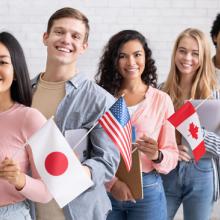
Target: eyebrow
<point>62,28</point>
<point>138,51</point>
<point>4,56</point>
<point>186,49</point>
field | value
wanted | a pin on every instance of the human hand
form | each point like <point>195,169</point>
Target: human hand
<point>121,192</point>
<point>183,153</point>
<point>10,171</point>
<point>148,146</point>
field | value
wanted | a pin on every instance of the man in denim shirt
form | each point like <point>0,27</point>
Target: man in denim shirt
<point>76,103</point>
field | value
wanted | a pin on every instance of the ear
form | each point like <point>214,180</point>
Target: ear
<point>84,47</point>
<point>45,38</point>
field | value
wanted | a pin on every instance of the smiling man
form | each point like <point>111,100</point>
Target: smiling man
<point>76,103</point>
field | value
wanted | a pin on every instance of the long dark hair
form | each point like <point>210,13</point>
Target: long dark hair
<point>107,75</point>
<point>21,86</point>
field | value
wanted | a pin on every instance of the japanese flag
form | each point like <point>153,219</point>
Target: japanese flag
<point>186,121</point>
<point>57,164</point>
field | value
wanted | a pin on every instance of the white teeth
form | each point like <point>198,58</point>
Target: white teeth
<point>186,65</point>
<point>64,49</point>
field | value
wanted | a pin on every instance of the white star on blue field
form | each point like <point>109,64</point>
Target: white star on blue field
<point>120,111</point>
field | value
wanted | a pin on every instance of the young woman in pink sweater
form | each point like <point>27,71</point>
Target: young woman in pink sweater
<point>17,123</point>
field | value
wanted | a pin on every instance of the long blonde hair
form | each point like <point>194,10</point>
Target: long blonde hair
<point>204,81</point>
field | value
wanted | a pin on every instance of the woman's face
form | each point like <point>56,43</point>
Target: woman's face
<point>6,70</point>
<point>187,56</point>
<point>131,61</point>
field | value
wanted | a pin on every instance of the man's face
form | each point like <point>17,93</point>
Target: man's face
<point>65,42</point>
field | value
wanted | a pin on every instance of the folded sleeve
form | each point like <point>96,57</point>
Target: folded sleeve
<point>212,142</point>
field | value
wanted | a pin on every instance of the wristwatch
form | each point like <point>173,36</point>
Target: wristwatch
<point>160,157</point>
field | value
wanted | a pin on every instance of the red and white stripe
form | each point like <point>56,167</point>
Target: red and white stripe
<point>121,136</point>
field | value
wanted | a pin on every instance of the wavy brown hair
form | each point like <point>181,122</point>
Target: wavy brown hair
<point>108,76</point>
<point>204,81</point>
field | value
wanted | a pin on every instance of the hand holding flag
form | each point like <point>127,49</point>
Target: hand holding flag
<point>186,121</point>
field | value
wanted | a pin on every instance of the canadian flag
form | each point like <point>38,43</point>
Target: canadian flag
<point>186,121</point>
<point>57,164</point>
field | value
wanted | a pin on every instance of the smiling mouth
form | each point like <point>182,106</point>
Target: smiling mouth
<point>62,49</point>
<point>186,65</point>
<point>131,70</point>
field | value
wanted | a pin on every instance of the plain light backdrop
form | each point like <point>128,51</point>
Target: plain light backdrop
<point>159,20</point>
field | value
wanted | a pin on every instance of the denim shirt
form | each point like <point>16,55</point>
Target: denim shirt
<point>84,103</point>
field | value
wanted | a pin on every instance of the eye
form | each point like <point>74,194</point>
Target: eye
<point>182,51</point>
<point>195,54</point>
<point>2,62</point>
<point>138,55</point>
<point>76,36</point>
<point>58,32</point>
<point>121,56</point>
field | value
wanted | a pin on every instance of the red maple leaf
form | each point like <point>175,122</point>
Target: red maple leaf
<point>193,129</point>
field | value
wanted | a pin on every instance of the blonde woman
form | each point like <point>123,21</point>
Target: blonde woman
<point>191,76</point>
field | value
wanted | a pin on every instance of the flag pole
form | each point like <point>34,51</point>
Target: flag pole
<point>203,101</point>
<point>84,136</point>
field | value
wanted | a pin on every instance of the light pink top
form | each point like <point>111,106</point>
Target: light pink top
<point>16,125</point>
<point>150,119</point>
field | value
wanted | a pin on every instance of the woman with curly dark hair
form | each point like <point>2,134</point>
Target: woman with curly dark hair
<point>126,67</point>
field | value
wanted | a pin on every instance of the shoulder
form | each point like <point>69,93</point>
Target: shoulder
<point>35,80</point>
<point>33,121</point>
<point>161,101</point>
<point>216,94</point>
<point>33,113</point>
<point>96,93</point>
<point>160,95</point>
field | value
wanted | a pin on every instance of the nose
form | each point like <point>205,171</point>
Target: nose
<point>188,56</point>
<point>131,60</point>
<point>66,38</point>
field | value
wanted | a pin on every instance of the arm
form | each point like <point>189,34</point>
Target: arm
<point>167,142</point>
<point>212,142</point>
<point>34,188</point>
<point>104,157</point>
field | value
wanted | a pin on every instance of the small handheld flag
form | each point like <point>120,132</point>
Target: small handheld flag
<point>57,164</point>
<point>117,124</point>
<point>186,121</point>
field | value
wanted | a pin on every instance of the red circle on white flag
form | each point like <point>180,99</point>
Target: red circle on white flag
<point>56,163</point>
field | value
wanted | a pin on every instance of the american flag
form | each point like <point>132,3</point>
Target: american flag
<point>117,124</point>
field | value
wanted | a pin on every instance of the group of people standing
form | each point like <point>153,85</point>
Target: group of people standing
<point>170,175</point>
